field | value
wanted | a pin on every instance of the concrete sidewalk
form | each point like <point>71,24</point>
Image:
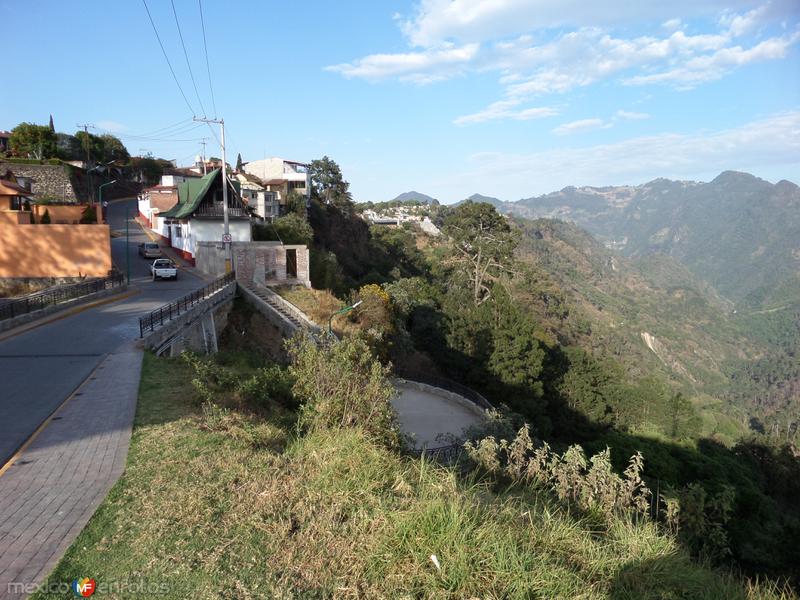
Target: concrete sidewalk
<point>61,476</point>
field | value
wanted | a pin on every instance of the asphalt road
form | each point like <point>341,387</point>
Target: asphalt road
<point>40,368</point>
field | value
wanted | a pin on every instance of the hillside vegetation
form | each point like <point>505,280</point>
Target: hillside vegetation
<point>223,499</point>
<point>589,347</point>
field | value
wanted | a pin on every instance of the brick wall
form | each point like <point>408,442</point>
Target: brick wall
<point>259,262</point>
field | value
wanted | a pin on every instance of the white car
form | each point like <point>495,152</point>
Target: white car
<point>163,268</point>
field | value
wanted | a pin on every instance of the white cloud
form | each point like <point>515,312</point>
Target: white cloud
<point>581,126</point>
<point>770,143</point>
<point>419,67</point>
<point>112,126</point>
<point>710,67</point>
<point>630,115</point>
<point>436,21</point>
<point>507,109</point>
<point>512,38</point>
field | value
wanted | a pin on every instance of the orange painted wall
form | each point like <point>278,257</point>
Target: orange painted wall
<point>54,250</point>
<point>60,213</point>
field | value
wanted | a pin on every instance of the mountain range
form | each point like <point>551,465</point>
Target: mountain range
<point>738,233</point>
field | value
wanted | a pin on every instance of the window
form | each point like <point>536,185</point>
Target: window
<point>297,185</point>
<point>178,231</point>
<point>16,202</point>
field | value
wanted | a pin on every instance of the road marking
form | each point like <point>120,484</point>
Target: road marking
<point>44,423</point>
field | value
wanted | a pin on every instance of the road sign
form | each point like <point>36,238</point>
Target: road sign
<point>226,238</point>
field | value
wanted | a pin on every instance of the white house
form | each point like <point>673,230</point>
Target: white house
<point>198,215</point>
<point>294,174</point>
<point>262,201</point>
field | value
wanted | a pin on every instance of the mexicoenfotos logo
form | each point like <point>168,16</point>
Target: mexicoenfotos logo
<point>84,587</point>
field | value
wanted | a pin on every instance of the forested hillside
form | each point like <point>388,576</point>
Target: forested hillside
<point>739,233</point>
<point>637,354</point>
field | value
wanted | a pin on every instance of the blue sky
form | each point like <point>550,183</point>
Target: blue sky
<point>508,98</point>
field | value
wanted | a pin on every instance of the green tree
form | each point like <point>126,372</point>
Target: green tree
<point>29,140</point>
<point>295,203</point>
<point>681,419</point>
<point>328,185</point>
<point>68,147</point>
<point>483,246</point>
<point>45,220</point>
<point>113,149</point>
<point>239,163</point>
<point>93,143</point>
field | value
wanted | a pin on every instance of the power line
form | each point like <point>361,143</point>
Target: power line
<point>169,64</point>
<point>184,130</point>
<point>179,124</point>
<point>186,56</point>
<point>208,68</point>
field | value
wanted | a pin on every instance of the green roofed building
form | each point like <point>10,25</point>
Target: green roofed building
<point>197,216</point>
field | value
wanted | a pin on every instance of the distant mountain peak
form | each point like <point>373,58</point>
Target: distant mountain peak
<point>735,177</point>
<point>416,197</point>
<point>488,199</point>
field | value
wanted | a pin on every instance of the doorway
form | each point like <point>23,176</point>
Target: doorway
<point>291,264</point>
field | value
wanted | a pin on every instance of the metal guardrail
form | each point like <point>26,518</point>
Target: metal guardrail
<point>174,309</point>
<point>57,295</point>
<point>445,384</point>
<point>450,453</point>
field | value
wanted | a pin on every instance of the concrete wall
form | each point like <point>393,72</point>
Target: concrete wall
<point>59,213</point>
<point>257,262</point>
<point>197,329</point>
<point>54,250</point>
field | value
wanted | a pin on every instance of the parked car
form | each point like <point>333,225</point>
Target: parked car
<point>149,250</point>
<point>163,268</point>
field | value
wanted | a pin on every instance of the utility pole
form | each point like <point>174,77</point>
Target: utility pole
<point>226,235</point>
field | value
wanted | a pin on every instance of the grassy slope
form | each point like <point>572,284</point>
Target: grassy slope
<point>226,505</point>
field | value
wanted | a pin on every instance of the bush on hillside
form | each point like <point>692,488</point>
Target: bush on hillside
<point>343,385</point>
<point>590,484</point>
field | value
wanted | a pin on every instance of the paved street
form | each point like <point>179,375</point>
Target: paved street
<point>41,367</point>
<point>49,494</point>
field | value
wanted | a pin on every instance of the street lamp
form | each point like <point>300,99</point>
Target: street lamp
<point>341,311</point>
<point>100,195</point>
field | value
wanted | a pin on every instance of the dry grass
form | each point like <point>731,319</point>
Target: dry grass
<point>220,504</point>
<point>319,305</point>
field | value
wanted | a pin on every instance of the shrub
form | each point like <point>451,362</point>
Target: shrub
<point>270,383</point>
<point>89,215</point>
<point>343,385</point>
<point>591,485</point>
<point>45,220</point>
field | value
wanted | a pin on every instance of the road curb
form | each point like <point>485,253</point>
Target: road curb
<point>10,462</point>
<point>67,312</point>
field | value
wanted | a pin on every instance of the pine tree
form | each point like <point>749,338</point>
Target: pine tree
<point>239,163</point>
<point>52,126</point>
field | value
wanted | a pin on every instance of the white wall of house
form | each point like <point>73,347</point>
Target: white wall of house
<point>186,235</point>
<point>279,168</point>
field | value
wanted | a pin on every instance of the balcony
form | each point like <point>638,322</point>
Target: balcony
<point>215,211</point>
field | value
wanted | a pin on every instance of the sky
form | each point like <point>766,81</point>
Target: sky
<point>507,98</point>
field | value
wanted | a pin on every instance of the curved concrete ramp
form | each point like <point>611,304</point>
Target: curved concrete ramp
<point>432,415</point>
